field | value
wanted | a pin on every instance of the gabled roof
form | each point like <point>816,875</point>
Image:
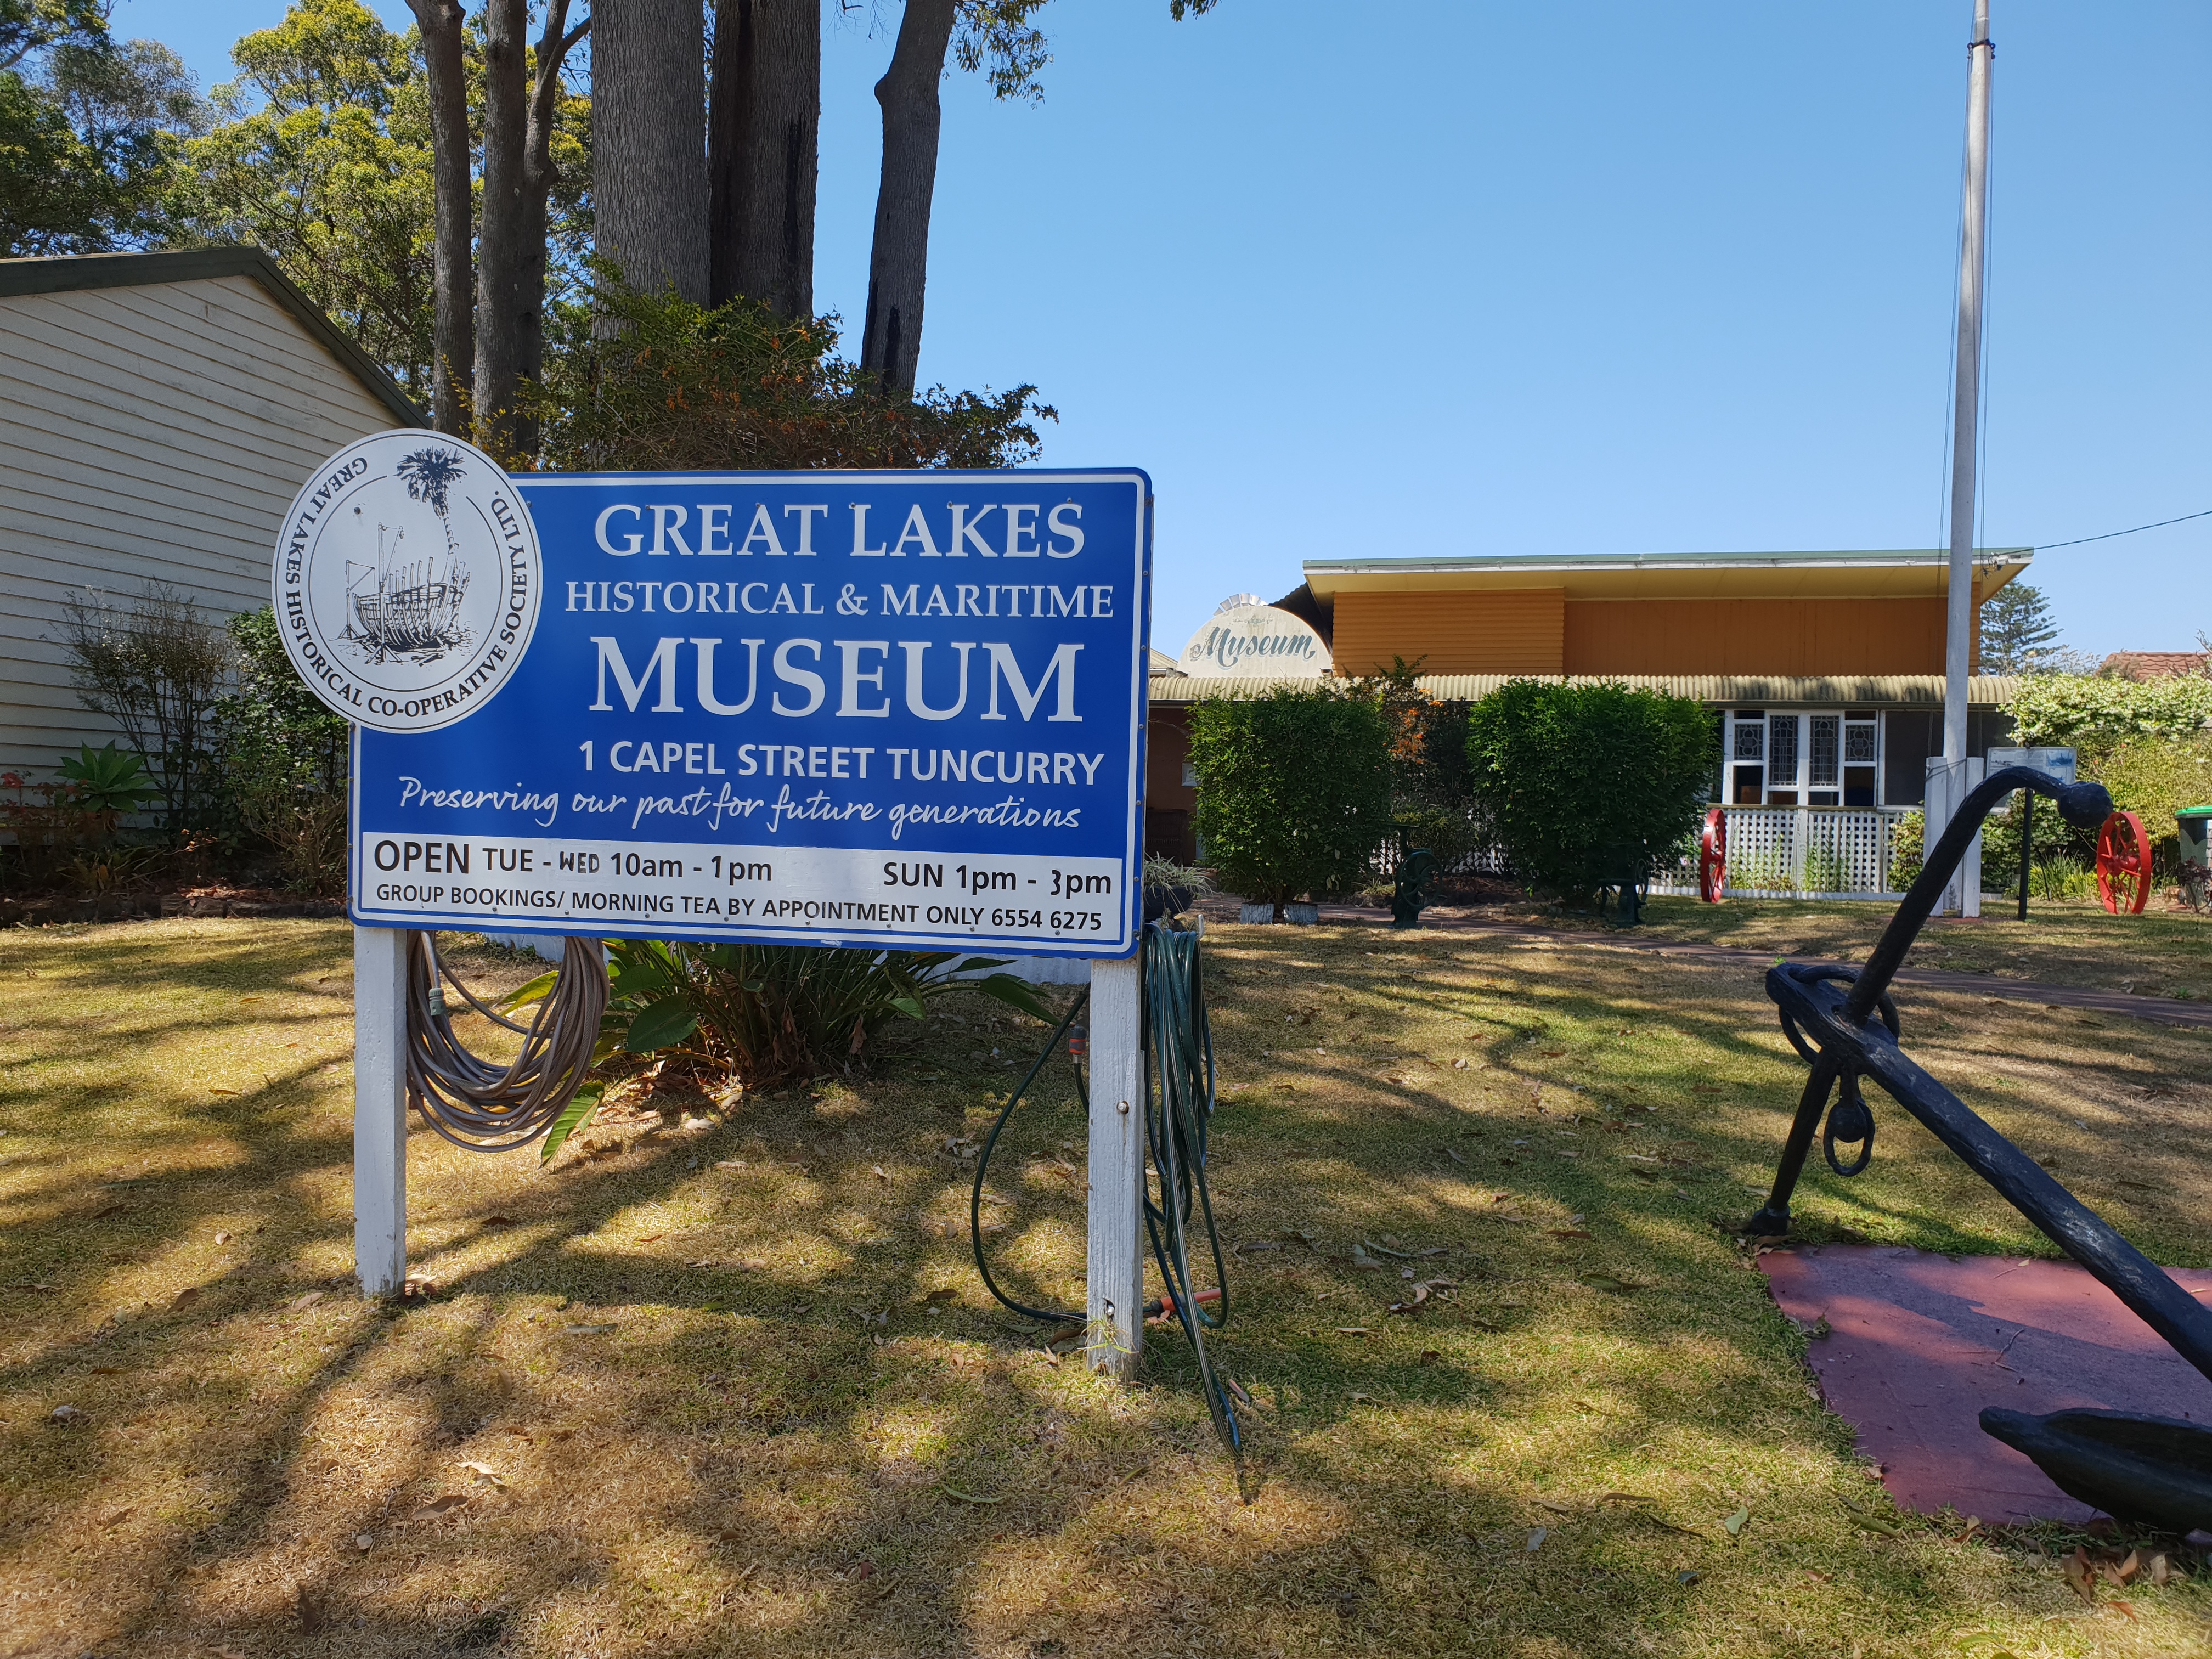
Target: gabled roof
<point>81,271</point>
<point>2154,665</point>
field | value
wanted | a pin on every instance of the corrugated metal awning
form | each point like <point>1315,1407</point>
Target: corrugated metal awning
<point>1746,690</point>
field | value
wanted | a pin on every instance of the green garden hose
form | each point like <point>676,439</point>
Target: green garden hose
<point>1179,1083</point>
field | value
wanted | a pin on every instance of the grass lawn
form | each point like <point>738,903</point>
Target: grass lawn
<point>686,1391</point>
<point>2162,952</point>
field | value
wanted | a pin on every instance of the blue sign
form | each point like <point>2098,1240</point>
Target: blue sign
<point>876,708</point>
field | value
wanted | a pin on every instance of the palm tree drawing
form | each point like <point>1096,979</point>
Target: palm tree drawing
<point>414,608</point>
<point>429,473</point>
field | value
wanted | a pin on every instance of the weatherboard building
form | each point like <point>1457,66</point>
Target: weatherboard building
<point>1824,671</point>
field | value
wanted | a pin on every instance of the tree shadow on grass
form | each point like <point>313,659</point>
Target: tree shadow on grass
<point>713,1473</point>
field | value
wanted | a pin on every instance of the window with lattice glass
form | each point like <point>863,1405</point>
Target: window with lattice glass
<point>1781,749</point>
<point>1750,736</point>
<point>1826,749</point>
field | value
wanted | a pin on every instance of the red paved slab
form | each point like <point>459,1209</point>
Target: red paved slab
<point>1918,1343</point>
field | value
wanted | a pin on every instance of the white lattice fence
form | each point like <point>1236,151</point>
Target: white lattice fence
<point>1784,852</point>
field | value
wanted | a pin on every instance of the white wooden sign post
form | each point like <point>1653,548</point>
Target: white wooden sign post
<point>867,710</point>
<point>1116,1259</point>
<point>379,1110</point>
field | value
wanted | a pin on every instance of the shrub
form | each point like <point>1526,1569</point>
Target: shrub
<point>1293,790</point>
<point>1578,779</point>
<point>157,668</point>
<point>767,1014</point>
<point>285,756</point>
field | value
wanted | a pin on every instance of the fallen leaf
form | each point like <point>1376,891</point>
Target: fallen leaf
<point>943,1293</point>
<point>361,1541</point>
<point>483,1472</point>
<point>222,1238</point>
<point>1625,1497</point>
<point>185,1298</point>
<point>1364,1263</point>
<point>1734,1524</point>
<point>651,1238</point>
<point>1819,1577</point>
<point>2078,1574</point>
<point>1431,1357</point>
<point>2128,1608</point>
<point>300,1304</point>
<point>2128,1569</point>
<point>966,1496</point>
<point>1353,1330</point>
<point>499,1221</point>
<point>1687,1576</point>
<point>881,1175</point>
<point>1536,1537</point>
<point>1361,1399</point>
<point>1460,1064</point>
<point>1419,1296</point>
<point>730,1163</point>
<point>862,1569</point>
<point>586,1330</point>
<point>116,1517</point>
<point>2161,1569</point>
<point>223,1092</point>
<point>442,1504</point>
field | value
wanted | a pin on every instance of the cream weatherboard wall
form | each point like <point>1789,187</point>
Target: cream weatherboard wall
<point>157,414</point>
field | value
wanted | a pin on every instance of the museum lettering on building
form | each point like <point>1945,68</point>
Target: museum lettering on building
<point>1825,670</point>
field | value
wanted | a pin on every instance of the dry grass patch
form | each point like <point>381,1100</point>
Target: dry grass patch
<point>682,1392</point>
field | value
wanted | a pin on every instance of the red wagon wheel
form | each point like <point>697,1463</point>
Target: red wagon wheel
<point>2123,865</point>
<point>1712,857</point>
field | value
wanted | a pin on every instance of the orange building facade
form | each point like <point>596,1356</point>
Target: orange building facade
<point>1824,671</point>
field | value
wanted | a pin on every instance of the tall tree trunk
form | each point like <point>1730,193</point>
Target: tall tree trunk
<point>502,222</point>
<point>453,339</point>
<point>648,151</point>
<point>763,124</point>
<point>538,179</point>
<point>898,268</point>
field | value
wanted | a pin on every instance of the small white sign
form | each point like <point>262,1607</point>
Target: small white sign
<point>407,581</point>
<point>1255,641</point>
<point>2057,764</point>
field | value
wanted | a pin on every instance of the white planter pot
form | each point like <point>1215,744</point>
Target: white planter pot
<point>1257,912</point>
<point>1304,915</point>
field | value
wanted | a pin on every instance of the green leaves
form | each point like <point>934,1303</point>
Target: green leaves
<point>573,1117</point>
<point>1581,782</point>
<point>110,780</point>
<point>670,1020</point>
<point>1294,789</point>
<point>772,1013</point>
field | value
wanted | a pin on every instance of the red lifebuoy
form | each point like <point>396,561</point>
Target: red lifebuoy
<point>1712,858</point>
<point>2124,873</point>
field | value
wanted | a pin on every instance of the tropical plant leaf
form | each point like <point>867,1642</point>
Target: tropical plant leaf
<point>1015,993</point>
<point>660,1023</point>
<point>573,1117</point>
<point>536,991</point>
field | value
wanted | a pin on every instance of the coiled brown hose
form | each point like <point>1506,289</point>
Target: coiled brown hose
<point>475,1103</point>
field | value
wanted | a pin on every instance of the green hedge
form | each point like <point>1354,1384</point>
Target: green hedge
<point>1293,790</point>
<point>1578,779</point>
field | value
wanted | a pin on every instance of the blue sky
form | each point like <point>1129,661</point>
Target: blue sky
<point>1353,279</point>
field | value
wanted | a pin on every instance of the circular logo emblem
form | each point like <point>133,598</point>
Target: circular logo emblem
<point>407,581</point>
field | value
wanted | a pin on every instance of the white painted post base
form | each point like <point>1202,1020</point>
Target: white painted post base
<point>1116,1255</point>
<point>1948,785</point>
<point>379,1110</point>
